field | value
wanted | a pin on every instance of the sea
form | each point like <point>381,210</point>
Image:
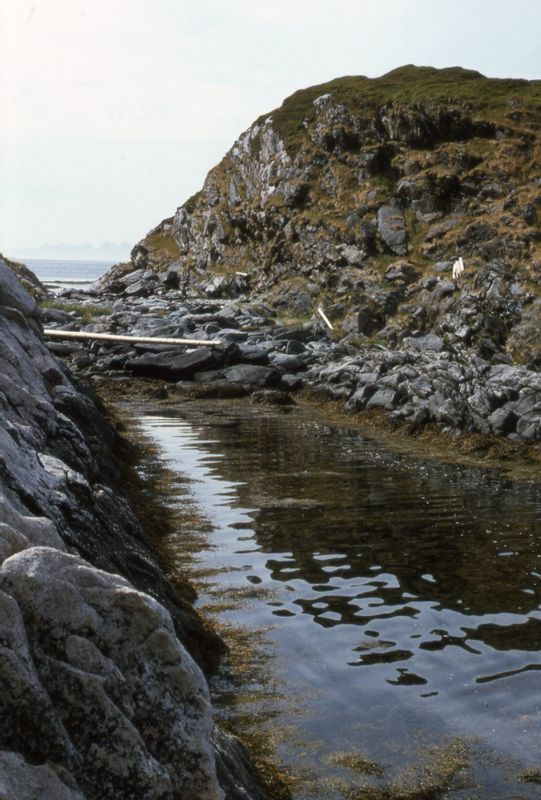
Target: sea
<point>58,275</point>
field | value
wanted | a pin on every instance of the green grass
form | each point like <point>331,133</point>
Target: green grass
<point>87,313</point>
<point>408,85</point>
<point>191,202</point>
<point>162,242</point>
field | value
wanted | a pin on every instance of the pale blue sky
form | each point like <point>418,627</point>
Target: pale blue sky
<point>113,111</point>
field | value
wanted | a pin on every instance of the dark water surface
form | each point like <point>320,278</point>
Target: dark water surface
<point>400,600</point>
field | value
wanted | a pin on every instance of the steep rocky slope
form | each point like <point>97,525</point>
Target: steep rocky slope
<point>358,194</point>
<point>100,697</point>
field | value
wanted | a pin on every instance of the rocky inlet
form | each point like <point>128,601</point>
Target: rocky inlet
<point>103,692</point>
<point>356,196</point>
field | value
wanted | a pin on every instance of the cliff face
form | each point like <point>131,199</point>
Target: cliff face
<point>100,697</point>
<point>359,194</point>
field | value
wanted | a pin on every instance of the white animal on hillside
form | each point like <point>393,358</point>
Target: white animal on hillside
<point>458,268</point>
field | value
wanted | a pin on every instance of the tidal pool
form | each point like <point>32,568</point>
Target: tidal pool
<point>394,604</point>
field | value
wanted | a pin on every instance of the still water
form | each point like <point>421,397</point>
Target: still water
<point>397,601</point>
<point>58,274</point>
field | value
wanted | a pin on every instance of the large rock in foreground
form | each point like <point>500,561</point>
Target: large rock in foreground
<point>122,706</point>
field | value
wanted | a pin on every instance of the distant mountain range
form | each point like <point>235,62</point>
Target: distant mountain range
<point>76,252</point>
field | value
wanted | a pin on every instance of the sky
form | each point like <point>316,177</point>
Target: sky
<point>113,111</point>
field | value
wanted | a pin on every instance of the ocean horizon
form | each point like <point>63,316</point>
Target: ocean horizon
<point>65,273</point>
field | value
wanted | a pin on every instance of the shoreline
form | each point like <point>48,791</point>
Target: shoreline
<point>100,647</point>
<point>487,409</point>
<point>167,514</point>
<point>517,460</point>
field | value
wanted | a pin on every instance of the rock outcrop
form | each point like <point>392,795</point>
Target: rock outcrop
<point>100,696</point>
<point>358,196</point>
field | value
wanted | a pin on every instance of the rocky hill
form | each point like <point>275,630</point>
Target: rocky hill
<point>359,194</point>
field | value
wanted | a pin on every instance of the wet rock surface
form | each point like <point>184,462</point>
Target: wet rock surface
<point>101,694</point>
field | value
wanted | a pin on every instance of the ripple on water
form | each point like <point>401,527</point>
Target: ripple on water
<point>404,603</point>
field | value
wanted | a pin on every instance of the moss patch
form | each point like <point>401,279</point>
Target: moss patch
<point>162,243</point>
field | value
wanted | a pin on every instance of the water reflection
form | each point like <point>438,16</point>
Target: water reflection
<point>406,595</point>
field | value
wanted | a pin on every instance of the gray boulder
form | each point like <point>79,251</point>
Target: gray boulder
<point>174,365</point>
<point>503,420</point>
<point>392,229</point>
<point>287,362</point>
<point>529,425</point>
<point>423,343</point>
<point>383,398</point>
<point>111,662</point>
<point>253,375</point>
<point>12,294</point>
<point>99,697</point>
<point>23,781</point>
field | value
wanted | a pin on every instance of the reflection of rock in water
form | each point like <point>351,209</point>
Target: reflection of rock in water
<point>415,572</point>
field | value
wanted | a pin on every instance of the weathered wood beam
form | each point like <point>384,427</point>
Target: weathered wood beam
<point>325,318</point>
<point>111,337</point>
